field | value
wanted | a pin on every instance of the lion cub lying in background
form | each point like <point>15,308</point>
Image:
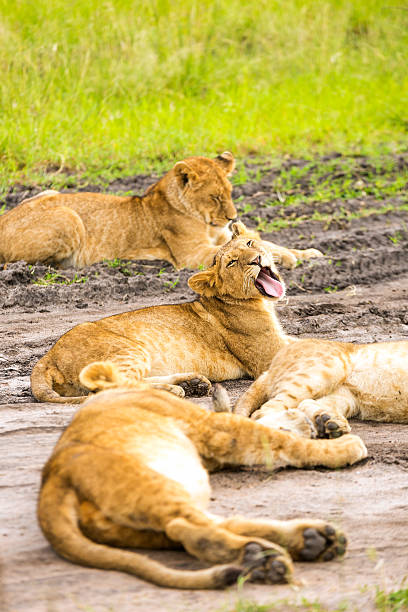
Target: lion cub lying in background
<point>129,472</point>
<point>183,219</point>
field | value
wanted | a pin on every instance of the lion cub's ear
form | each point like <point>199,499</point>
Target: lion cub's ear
<point>238,229</point>
<point>226,161</point>
<point>185,173</point>
<point>204,282</point>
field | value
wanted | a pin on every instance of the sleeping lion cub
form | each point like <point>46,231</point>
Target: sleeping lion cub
<point>230,332</point>
<point>183,219</point>
<point>129,472</point>
<point>313,386</point>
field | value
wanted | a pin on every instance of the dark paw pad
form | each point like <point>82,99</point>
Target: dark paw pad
<point>314,544</point>
<point>264,566</point>
<point>196,387</point>
<point>323,546</point>
<point>327,427</point>
<point>277,572</point>
<point>228,576</point>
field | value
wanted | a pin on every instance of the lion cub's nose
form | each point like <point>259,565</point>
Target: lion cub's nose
<point>256,262</point>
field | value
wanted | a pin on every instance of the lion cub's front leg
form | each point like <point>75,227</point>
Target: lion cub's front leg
<point>303,390</point>
<point>289,257</point>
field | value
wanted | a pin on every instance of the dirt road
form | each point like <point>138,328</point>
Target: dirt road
<point>358,292</point>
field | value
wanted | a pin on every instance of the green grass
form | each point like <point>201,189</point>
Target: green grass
<point>108,88</point>
<point>54,278</point>
<point>395,601</point>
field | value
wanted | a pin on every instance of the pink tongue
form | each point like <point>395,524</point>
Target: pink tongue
<point>272,287</point>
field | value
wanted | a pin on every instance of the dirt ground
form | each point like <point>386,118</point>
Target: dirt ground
<point>358,292</point>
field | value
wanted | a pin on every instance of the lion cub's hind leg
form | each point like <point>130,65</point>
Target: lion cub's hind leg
<point>260,560</point>
<point>304,539</point>
<point>188,383</point>
<point>46,232</point>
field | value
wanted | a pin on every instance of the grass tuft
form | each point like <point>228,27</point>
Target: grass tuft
<point>116,87</point>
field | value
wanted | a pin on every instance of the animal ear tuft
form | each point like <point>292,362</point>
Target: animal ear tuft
<point>204,282</point>
<point>185,173</point>
<point>100,375</point>
<point>226,161</point>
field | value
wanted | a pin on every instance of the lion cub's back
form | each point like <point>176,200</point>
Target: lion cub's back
<point>379,380</point>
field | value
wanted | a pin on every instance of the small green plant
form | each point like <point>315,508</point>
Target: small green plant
<point>396,601</point>
<point>120,264</point>
<point>54,278</point>
<point>246,208</point>
<point>161,271</point>
<point>396,238</point>
<point>331,289</point>
<point>170,285</point>
<point>3,209</point>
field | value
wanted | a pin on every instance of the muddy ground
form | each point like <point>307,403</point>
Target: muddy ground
<point>358,292</point>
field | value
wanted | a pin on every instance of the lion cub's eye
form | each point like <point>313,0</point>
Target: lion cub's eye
<point>232,262</point>
<point>250,243</point>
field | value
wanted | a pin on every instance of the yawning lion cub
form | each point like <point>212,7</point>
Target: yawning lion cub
<point>128,472</point>
<point>183,219</point>
<point>230,332</point>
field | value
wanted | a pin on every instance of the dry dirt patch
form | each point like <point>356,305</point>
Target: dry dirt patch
<point>363,299</point>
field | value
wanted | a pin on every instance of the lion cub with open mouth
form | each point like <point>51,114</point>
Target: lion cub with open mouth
<point>129,472</point>
<point>229,333</point>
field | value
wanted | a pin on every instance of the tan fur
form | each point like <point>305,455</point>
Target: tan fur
<point>313,386</point>
<point>129,472</point>
<point>183,219</point>
<point>227,334</point>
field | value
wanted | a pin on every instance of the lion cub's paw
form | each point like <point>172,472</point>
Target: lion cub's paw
<point>198,386</point>
<point>290,419</point>
<point>311,254</point>
<point>329,426</point>
<point>322,544</point>
<point>265,565</point>
<point>348,450</point>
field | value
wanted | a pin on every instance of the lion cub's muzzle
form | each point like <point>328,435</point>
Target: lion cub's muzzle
<point>267,281</point>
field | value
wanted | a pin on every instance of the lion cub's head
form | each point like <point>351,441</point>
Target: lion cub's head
<point>199,187</point>
<point>242,270</point>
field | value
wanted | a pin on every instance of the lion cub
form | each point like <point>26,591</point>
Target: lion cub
<point>129,472</point>
<point>313,386</point>
<point>230,332</point>
<point>183,219</point>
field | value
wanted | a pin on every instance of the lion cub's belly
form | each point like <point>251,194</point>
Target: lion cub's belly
<point>175,354</point>
<point>379,380</point>
<point>173,455</point>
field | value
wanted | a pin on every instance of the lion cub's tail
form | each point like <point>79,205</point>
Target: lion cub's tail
<point>58,517</point>
<point>103,375</point>
<point>220,399</point>
<point>43,376</point>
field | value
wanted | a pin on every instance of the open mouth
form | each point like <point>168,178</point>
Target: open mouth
<point>268,283</point>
